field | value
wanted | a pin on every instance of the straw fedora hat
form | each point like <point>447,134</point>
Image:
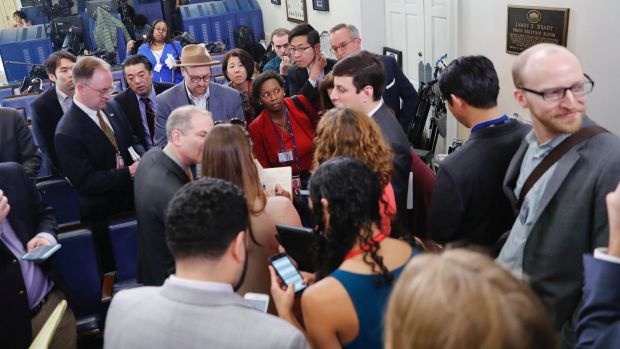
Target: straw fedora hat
<point>195,55</point>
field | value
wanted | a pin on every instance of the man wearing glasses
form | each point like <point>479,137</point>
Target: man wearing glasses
<point>563,215</point>
<point>310,67</point>
<point>92,141</point>
<point>196,89</point>
<point>345,40</point>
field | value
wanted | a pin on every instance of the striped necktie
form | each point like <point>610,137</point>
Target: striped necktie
<point>107,130</point>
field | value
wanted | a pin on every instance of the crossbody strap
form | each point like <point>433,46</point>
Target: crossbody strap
<point>555,155</point>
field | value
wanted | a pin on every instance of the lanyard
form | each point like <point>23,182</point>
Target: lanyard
<point>490,123</point>
<point>290,130</point>
<point>377,239</point>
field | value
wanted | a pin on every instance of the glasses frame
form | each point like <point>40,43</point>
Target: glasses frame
<point>102,92</point>
<point>542,93</point>
<point>341,46</point>
<point>300,50</point>
<point>198,79</point>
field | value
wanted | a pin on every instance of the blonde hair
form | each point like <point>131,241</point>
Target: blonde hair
<point>349,132</point>
<point>463,299</point>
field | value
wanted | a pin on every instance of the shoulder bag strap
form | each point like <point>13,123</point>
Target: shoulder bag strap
<point>555,155</point>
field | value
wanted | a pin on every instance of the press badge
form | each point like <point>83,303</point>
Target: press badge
<point>285,156</point>
<point>120,163</point>
<point>157,67</point>
<point>170,61</point>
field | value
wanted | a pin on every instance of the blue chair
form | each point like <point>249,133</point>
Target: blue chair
<point>78,266</point>
<point>216,70</point>
<point>63,197</point>
<point>220,80</point>
<point>21,103</point>
<point>5,91</point>
<point>124,237</point>
<point>117,75</point>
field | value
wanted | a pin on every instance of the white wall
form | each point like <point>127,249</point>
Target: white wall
<point>592,37</point>
<point>367,15</point>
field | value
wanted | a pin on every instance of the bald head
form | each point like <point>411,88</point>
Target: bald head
<point>528,62</point>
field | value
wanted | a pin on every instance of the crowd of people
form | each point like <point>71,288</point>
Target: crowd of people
<point>519,209</point>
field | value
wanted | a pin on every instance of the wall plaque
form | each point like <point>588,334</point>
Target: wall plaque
<point>529,25</point>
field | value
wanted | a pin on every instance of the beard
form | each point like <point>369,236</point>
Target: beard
<point>237,286</point>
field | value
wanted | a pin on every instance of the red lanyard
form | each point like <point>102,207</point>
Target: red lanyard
<point>377,238</point>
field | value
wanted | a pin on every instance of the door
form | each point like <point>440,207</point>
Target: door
<point>7,7</point>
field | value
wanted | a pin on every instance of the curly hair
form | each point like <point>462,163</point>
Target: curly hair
<point>353,206</point>
<point>349,132</point>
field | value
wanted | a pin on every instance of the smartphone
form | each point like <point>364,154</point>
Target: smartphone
<point>41,253</point>
<point>260,301</point>
<point>287,271</point>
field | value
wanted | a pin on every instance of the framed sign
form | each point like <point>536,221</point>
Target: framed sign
<point>296,11</point>
<point>320,5</point>
<point>397,54</point>
<point>529,25</point>
<point>276,2</point>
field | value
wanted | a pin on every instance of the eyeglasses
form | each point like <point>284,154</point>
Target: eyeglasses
<point>276,91</point>
<point>342,46</point>
<point>102,92</point>
<point>164,29</point>
<point>299,50</point>
<point>579,89</point>
<point>197,79</point>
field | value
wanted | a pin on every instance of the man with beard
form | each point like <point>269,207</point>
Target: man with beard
<point>206,231</point>
<point>563,215</point>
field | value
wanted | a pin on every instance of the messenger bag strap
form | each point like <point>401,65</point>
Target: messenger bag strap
<point>556,154</point>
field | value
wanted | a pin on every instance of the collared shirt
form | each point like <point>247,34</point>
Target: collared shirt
<point>511,255</point>
<point>200,102</point>
<point>372,112</point>
<point>63,99</point>
<point>315,83</point>
<point>491,123</point>
<point>145,124</point>
<point>169,153</point>
<point>602,253</point>
<point>92,114</point>
<point>36,282</point>
<point>208,286</point>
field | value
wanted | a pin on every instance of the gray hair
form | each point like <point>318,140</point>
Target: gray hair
<point>181,118</point>
<point>353,31</point>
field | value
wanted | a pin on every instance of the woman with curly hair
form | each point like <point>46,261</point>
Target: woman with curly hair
<point>227,155</point>
<point>356,263</point>
<point>349,132</point>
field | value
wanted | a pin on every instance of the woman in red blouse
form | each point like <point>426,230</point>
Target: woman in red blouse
<point>283,132</point>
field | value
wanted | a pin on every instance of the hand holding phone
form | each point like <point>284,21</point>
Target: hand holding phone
<point>41,253</point>
<point>287,272</point>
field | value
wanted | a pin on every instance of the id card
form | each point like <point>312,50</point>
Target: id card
<point>285,156</point>
<point>120,163</point>
<point>170,61</point>
<point>157,67</point>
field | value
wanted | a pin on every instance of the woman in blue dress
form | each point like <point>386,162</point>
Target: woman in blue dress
<point>357,265</point>
<point>163,52</point>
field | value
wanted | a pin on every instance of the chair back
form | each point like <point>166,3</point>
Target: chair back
<point>63,197</point>
<point>124,237</point>
<point>21,103</point>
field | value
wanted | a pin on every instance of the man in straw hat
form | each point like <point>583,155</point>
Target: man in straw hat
<point>197,89</point>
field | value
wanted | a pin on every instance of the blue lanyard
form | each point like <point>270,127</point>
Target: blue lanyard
<point>290,130</point>
<point>501,120</point>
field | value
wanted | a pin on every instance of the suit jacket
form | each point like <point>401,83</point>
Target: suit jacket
<point>173,315</point>
<point>571,221</point>
<point>397,88</point>
<point>129,103</point>
<point>16,142</point>
<point>28,217</point>
<point>224,104</point>
<point>599,316</point>
<point>46,112</point>
<point>394,135</point>
<point>88,159</point>
<point>157,179</point>
<point>298,84</point>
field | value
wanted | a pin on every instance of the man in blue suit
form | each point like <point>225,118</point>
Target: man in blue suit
<point>345,40</point>
<point>223,102</point>
<point>599,316</point>
<point>92,141</point>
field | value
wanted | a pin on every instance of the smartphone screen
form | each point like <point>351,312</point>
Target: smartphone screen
<point>287,272</point>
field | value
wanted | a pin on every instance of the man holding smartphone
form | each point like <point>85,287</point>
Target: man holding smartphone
<point>29,293</point>
<point>310,67</point>
<point>206,231</point>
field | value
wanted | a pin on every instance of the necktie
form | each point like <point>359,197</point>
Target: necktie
<point>67,103</point>
<point>107,130</point>
<point>150,116</point>
<point>188,172</point>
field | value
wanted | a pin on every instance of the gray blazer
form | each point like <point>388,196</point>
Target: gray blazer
<point>572,221</point>
<point>224,104</point>
<point>175,316</point>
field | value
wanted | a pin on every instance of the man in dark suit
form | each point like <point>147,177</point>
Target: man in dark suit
<point>358,83</point>
<point>345,40</point>
<point>310,66</point>
<point>92,141</point>
<point>48,108</point>
<point>16,143</point>
<point>138,101</point>
<point>161,173</point>
<point>28,294</point>
<point>223,102</point>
